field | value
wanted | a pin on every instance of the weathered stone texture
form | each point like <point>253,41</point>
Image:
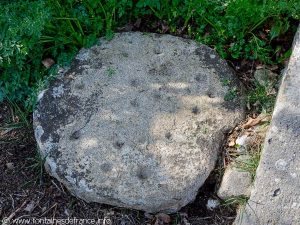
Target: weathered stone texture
<point>137,121</point>
<point>235,183</point>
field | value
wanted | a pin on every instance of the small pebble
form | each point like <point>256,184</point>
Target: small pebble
<point>30,206</point>
<point>10,166</point>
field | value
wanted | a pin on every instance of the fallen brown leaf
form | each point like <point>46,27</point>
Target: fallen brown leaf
<point>30,206</point>
<point>48,62</point>
<point>252,122</point>
<point>266,118</point>
<point>162,217</point>
<point>231,143</point>
<point>271,92</point>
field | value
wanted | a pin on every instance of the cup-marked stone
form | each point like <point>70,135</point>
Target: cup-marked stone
<point>133,125</point>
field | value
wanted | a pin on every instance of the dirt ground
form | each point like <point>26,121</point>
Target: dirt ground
<point>27,191</point>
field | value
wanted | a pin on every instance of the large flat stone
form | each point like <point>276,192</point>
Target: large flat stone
<point>138,121</point>
<point>276,196</point>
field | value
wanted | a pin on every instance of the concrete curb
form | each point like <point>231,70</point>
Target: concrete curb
<point>275,199</point>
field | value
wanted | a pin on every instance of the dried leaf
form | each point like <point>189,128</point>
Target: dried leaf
<point>259,67</point>
<point>273,67</point>
<point>48,62</point>
<point>30,206</point>
<point>252,122</point>
<point>165,218</point>
<point>231,143</point>
<point>271,92</point>
<point>266,118</point>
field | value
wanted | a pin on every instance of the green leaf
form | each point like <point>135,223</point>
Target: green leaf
<point>278,28</point>
<point>1,96</point>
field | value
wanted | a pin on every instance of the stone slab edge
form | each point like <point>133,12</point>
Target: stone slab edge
<point>275,198</point>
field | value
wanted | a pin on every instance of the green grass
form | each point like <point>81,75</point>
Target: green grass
<point>36,164</point>
<point>231,94</point>
<point>17,119</point>
<point>249,165</point>
<point>22,115</point>
<point>261,99</point>
<point>235,201</point>
<point>34,30</point>
<point>238,202</point>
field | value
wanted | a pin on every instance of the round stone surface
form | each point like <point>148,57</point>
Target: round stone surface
<point>138,121</point>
